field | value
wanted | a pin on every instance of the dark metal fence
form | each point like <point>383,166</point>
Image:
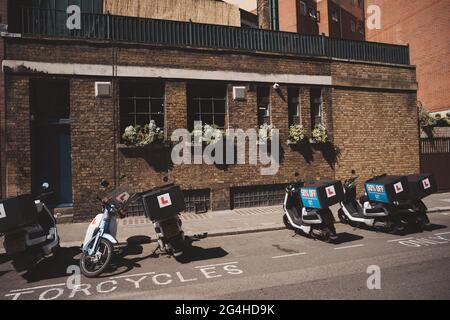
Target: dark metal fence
<point>435,158</point>
<point>50,22</point>
<point>435,145</point>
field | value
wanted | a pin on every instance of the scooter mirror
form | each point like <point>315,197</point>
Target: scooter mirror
<point>104,184</point>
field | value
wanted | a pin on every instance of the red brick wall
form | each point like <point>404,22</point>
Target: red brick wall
<point>288,11</point>
<point>424,25</point>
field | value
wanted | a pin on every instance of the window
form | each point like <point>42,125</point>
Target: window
<point>302,6</point>
<point>312,13</point>
<point>352,26</point>
<point>141,102</point>
<point>316,106</point>
<point>293,106</point>
<point>334,15</point>
<point>361,27</point>
<point>263,102</point>
<point>361,4</point>
<point>207,103</point>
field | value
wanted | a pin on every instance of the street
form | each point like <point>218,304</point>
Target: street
<point>266,265</point>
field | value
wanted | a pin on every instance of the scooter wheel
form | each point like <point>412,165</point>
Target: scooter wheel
<point>92,268</point>
<point>342,217</point>
<point>287,223</point>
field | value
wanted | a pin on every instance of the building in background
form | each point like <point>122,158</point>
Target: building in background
<point>425,26</point>
<point>342,19</point>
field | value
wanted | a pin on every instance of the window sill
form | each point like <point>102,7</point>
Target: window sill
<point>154,145</point>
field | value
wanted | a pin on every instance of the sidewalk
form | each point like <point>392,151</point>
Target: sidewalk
<point>216,223</point>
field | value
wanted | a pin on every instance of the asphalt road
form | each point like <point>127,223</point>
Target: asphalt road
<point>269,265</point>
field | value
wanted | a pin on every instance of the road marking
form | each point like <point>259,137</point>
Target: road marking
<point>289,255</point>
<point>350,247</point>
<point>132,275</point>
<point>40,287</point>
<point>215,265</point>
<point>440,234</point>
<point>403,239</point>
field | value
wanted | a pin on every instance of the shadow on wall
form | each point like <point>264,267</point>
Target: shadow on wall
<point>157,156</point>
<point>329,152</point>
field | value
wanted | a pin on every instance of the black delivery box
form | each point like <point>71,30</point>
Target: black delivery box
<point>421,186</point>
<point>322,194</point>
<point>387,189</point>
<point>17,212</point>
<point>163,203</point>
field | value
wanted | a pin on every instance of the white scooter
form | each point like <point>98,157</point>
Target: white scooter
<point>29,244</point>
<point>100,240</point>
<point>310,222</point>
<point>365,213</point>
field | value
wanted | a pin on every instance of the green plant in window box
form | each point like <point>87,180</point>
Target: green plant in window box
<point>320,134</point>
<point>139,136</point>
<point>426,121</point>
<point>297,134</point>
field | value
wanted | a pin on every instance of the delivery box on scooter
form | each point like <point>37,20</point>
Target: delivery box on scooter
<point>17,212</point>
<point>387,189</point>
<point>421,186</point>
<point>322,194</point>
<point>163,203</point>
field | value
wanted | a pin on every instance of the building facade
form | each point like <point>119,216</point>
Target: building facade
<point>342,19</point>
<point>424,25</point>
<point>62,126</point>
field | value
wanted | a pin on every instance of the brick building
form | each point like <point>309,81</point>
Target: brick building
<point>59,128</point>
<point>342,19</point>
<point>424,25</point>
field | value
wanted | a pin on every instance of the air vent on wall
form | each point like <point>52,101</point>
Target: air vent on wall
<point>239,93</point>
<point>103,89</point>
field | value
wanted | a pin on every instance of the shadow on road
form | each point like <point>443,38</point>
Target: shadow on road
<point>434,227</point>
<point>193,253</point>
<point>54,266</point>
<point>4,258</point>
<point>124,262</point>
<point>347,237</point>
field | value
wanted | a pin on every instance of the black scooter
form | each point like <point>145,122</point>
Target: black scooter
<point>28,245</point>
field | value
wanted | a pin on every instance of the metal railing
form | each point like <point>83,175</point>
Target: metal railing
<point>435,145</point>
<point>50,22</point>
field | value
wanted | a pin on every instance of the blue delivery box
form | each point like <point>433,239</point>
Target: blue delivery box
<point>322,194</point>
<point>387,189</point>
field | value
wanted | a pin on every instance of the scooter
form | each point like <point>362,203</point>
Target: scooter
<point>314,223</point>
<point>99,243</point>
<point>30,244</point>
<point>393,218</point>
<point>171,238</point>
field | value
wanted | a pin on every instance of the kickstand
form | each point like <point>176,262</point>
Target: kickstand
<point>156,249</point>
